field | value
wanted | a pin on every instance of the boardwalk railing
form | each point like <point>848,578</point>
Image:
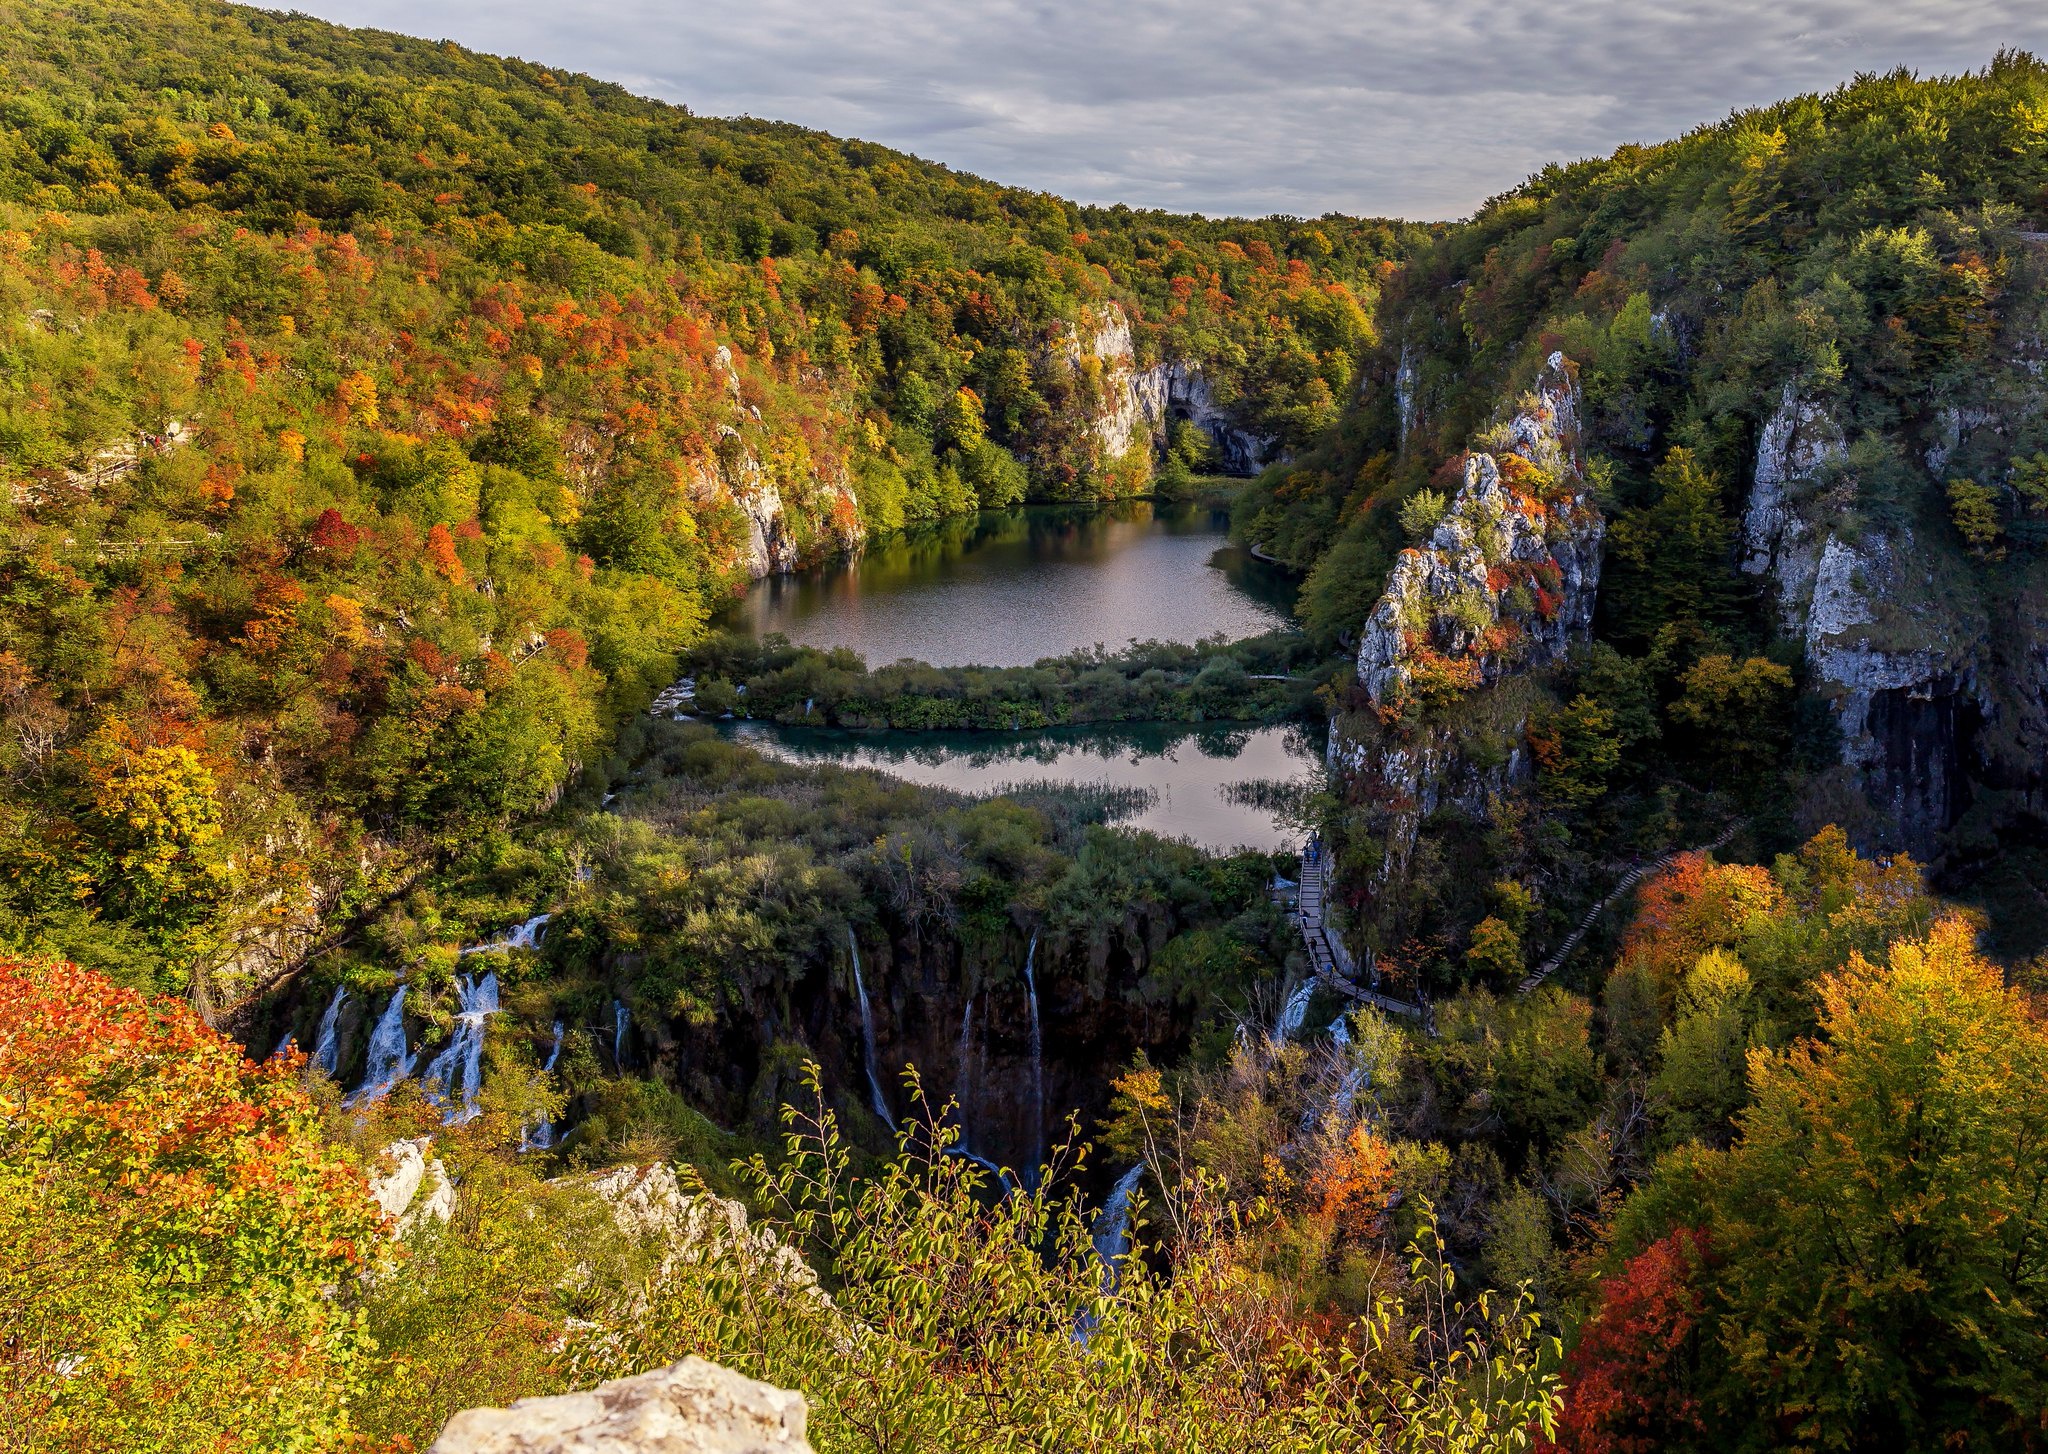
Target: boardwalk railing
<point>1315,885</point>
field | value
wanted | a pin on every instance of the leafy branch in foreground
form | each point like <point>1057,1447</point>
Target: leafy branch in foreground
<point>968,1310</point>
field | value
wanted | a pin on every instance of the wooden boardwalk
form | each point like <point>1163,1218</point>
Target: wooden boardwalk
<point>1315,887</point>
<point>1624,886</point>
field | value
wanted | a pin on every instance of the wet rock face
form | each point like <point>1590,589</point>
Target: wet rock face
<point>691,1407</point>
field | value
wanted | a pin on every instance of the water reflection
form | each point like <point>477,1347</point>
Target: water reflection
<point>1007,587</point>
<point>1193,775</point>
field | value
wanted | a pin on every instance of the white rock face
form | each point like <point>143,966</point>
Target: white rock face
<point>416,1188</point>
<point>1492,541</point>
<point>1506,583</point>
<point>1142,405</point>
<point>691,1407</point>
<point>1799,444</point>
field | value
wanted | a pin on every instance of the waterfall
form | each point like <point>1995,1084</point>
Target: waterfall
<point>457,1073</point>
<point>1340,1030</point>
<point>1113,1226</point>
<point>1037,1061</point>
<point>622,1021</point>
<point>966,1091</point>
<point>521,936</point>
<point>327,1054</point>
<point>542,1135</point>
<point>1294,1011</point>
<point>867,1034</point>
<point>388,1063</point>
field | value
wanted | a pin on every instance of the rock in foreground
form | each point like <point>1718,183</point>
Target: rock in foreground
<point>691,1407</point>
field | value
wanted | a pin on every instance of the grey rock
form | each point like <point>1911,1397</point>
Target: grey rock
<point>691,1407</point>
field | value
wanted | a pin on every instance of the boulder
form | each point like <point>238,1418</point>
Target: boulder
<point>691,1407</point>
<point>416,1187</point>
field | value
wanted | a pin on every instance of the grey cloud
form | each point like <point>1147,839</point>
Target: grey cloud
<point>1303,106</point>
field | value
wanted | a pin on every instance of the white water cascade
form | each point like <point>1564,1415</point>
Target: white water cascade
<point>1294,1012</point>
<point>522,936</point>
<point>965,1093</point>
<point>867,1035</point>
<point>1113,1225</point>
<point>388,1063</point>
<point>1340,1030</point>
<point>622,1021</point>
<point>457,1073</point>
<point>326,1053</point>
<point>542,1136</point>
<point>1037,1063</point>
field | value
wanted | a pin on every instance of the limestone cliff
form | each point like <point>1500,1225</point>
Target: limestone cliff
<point>1503,586</point>
<point>1893,625</point>
<point>1142,405</point>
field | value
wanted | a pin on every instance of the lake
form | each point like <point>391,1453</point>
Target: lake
<point>1008,587</point>
<point>1200,783</point>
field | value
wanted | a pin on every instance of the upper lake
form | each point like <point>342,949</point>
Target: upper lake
<point>1007,587</point>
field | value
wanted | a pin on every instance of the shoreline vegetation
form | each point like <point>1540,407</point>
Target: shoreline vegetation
<point>1265,678</point>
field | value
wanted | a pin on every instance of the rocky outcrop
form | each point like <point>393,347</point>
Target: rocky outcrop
<point>691,1407</point>
<point>1503,586</point>
<point>777,540</point>
<point>1141,406</point>
<point>416,1189</point>
<point>1891,627</point>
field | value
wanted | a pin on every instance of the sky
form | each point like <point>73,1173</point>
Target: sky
<point>1412,108</point>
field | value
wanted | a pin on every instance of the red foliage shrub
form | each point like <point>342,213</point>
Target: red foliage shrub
<point>1628,1383</point>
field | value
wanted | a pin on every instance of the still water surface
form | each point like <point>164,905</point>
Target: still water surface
<point>1009,587</point>
<point>1006,587</point>
<point>1195,779</point>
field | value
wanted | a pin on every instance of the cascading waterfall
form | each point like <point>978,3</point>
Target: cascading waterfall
<point>622,1021</point>
<point>1340,1030</point>
<point>542,1135</point>
<point>1113,1225</point>
<point>1037,1062</point>
<point>867,1035</point>
<point>387,1063</point>
<point>1294,1012</point>
<point>457,1073</point>
<point>522,936</point>
<point>326,1052</point>
<point>965,1094</point>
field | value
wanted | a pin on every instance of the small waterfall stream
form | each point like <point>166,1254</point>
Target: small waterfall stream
<point>965,1093</point>
<point>387,1063</point>
<point>1113,1224</point>
<point>1294,1012</point>
<point>542,1136</point>
<point>622,1021</point>
<point>326,1053</point>
<point>521,936</point>
<point>457,1073</point>
<point>1037,1065</point>
<point>867,1035</point>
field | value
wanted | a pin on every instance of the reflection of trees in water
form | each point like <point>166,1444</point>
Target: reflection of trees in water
<point>1134,741</point>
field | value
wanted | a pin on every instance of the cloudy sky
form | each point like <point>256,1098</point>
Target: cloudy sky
<point>1419,108</point>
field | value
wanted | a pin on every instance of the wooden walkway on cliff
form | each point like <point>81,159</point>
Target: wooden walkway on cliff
<point>1322,954</point>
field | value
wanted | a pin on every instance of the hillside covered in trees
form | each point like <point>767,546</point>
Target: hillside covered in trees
<point>380,419</point>
<point>396,1017</point>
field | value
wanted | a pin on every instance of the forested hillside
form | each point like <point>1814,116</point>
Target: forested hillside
<point>1809,343</point>
<point>379,419</point>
